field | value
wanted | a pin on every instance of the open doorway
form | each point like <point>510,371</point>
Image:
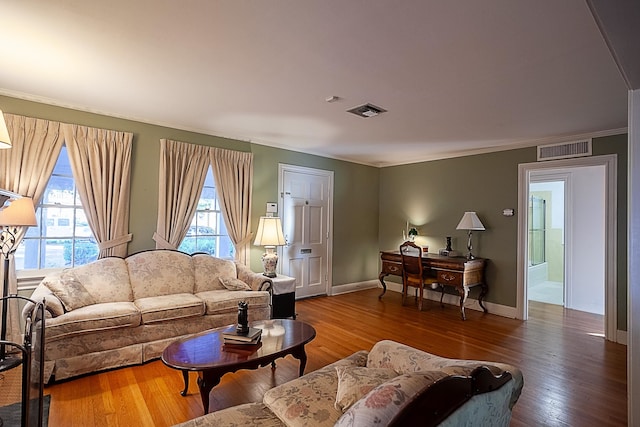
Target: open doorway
<point>545,280</point>
<point>566,234</point>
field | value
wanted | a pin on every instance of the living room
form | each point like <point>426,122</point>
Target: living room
<point>371,204</point>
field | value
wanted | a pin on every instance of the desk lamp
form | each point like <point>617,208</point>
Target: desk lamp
<point>470,221</point>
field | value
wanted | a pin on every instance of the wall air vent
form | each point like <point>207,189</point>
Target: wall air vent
<point>564,150</point>
<point>367,110</point>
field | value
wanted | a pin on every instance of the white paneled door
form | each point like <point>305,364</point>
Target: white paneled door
<point>306,221</point>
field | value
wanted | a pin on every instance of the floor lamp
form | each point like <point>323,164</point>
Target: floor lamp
<point>15,213</point>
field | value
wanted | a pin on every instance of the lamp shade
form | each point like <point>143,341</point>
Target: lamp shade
<point>470,221</point>
<point>5,142</point>
<point>269,232</point>
<point>20,212</point>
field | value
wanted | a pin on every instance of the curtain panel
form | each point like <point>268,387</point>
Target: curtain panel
<point>101,166</point>
<point>183,169</point>
<point>25,169</point>
<point>233,173</point>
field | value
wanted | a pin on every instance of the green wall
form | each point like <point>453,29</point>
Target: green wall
<point>371,205</point>
<point>435,194</point>
<point>355,251</point>
<point>355,209</point>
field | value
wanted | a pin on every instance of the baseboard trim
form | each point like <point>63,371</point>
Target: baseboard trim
<point>352,287</point>
<point>470,304</point>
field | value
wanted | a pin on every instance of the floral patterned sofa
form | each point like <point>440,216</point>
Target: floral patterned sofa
<point>392,385</point>
<point>123,311</point>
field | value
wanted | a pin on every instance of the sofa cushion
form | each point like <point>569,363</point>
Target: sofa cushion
<point>95,317</point>
<point>167,307</point>
<point>309,400</point>
<point>68,289</point>
<point>209,269</point>
<point>106,279</point>
<point>247,415</point>
<point>160,272</point>
<point>356,381</point>
<point>233,284</point>
<point>384,402</point>
<point>223,301</point>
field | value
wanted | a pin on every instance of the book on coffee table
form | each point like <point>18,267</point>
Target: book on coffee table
<point>241,348</point>
<point>231,341</point>
<point>232,335</point>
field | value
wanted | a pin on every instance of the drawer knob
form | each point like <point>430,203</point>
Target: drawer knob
<point>448,277</point>
<point>393,268</point>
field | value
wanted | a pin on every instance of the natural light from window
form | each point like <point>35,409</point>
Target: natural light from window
<point>62,237</point>
<point>208,232</point>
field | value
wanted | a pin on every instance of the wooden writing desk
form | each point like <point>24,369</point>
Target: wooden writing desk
<point>458,272</point>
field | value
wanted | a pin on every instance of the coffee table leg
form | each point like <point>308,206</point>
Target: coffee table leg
<point>301,355</point>
<point>206,382</point>
<point>185,376</point>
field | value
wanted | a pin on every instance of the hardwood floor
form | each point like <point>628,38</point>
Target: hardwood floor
<point>572,377</point>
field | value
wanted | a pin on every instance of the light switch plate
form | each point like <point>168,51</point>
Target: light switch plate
<point>272,207</point>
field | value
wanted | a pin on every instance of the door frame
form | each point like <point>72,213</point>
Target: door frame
<point>524,175</point>
<point>282,168</point>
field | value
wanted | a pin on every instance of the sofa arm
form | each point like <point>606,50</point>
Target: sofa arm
<point>257,281</point>
<point>53,306</point>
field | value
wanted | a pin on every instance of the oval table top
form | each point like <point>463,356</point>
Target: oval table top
<point>207,350</point>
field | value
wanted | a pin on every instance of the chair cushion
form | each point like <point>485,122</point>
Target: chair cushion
<point>246,415</point>
<point>167,307</point>
<point>384,402</point>
<point>356,381</point>
<point>309,400</point>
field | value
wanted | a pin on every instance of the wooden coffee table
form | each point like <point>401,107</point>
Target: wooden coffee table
<point>206,353</point>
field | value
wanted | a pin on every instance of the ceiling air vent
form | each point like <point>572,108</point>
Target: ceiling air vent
<point>564,150</point>
<point>366,110</point>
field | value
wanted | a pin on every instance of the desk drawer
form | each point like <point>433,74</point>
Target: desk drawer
<point>391,268</point>
<point>452,278</point>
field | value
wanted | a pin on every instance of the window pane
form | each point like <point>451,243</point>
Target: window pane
<point>62,237</point>
<point>207,232</point>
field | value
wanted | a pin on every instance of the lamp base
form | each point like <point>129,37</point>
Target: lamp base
<point>270,261</point>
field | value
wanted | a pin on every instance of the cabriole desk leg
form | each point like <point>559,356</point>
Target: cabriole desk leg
<point>384,285</point>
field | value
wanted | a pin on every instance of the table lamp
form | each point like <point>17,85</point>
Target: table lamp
<point>269,235</point>
<point>470,221</point>
<point>15,213</point>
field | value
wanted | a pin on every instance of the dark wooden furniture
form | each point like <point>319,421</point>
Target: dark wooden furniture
<point>206,353</point>
<point>442,398</point>
<point>413,273</point>
<point>30,356</point>
<point>457,272</point>
<point>283,297</point>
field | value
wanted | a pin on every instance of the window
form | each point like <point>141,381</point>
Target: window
<point>208,232</point>
<point>62,237</point>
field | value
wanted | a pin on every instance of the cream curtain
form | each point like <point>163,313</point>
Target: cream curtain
<point>233,173</point>
<point>183,168</point>
<point>25,169</point>
<point>101,165</point>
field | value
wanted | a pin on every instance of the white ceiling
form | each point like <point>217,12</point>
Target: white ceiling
<point>456,76</point>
